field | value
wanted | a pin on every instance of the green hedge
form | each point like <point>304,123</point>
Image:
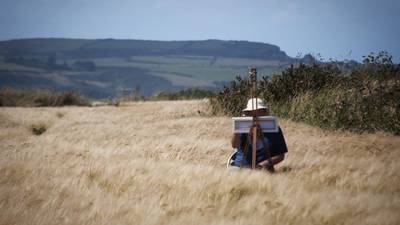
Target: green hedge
<point>187,94</point>
<point>366,98</point>
<point>40,98</point>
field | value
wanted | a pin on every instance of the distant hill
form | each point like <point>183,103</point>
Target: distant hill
<point>122,48</point>
<point>107,67</point>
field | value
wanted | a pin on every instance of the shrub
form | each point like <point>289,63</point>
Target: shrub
<point>232,99</point>
<point>39,98</point>
<point>296,81</point>
<point>38,129</point>
<point>190,93</point>
<point>364,99</point>
<point>60,115</point>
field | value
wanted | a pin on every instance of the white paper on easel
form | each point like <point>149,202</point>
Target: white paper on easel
<point>243,124</point>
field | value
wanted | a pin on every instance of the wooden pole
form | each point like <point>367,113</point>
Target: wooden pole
<point>254,155</point>
<point>253,79</point>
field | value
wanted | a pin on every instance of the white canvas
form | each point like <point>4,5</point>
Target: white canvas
<point>243,124</point>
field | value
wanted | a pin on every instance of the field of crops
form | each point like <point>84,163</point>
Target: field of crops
<point>164,163</point>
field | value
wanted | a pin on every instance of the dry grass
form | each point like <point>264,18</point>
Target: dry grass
<point>118,165</point>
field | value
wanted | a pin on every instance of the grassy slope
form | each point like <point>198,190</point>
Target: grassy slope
<point>119,165</point>
<point>173,72</point>
<point>176,64</point>
<point>202,70</point>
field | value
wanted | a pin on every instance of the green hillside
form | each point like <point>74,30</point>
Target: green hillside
<point>105,68</point>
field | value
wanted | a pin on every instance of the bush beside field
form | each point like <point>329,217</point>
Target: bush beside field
<point>187,94</point>
<point>40,98</point>
<point>365,98</point>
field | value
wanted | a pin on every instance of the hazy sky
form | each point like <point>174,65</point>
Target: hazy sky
<point>336,29</point>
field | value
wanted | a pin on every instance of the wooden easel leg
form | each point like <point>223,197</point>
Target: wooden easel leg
<point>254,155</point>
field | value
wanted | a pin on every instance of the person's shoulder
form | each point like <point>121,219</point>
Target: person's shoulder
<point>274,134</point>
<point>279,129</point>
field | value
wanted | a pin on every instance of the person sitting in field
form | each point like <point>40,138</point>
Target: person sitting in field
<point>274,141</point>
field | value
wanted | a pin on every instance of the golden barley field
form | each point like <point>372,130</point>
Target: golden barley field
<point>164,163</point>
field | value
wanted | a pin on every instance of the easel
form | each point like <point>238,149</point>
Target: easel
<point>255,130</point>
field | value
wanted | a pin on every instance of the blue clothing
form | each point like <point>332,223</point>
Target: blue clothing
<point>275,142</point>
<point>260,153</point>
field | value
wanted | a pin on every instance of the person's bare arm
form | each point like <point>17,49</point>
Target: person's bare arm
<point>275,160</point>
<point>235,140</point>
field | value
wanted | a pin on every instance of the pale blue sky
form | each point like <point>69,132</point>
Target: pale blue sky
<point>335,29</point>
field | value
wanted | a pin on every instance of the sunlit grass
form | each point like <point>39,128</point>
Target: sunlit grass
<point>164,163</point>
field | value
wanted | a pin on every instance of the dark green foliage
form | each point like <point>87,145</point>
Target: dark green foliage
<point>84,65</point>
<point>30,62</point>
<point>363,99</point>
<point>40,98</point>
<point>128,96</point>
<point>38,129</point>
<point>190,93</point>
<point>49,64</point>
<point>232,99</point>
<point>296,81</point>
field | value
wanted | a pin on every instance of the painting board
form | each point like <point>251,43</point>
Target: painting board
<point>243,124</point>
